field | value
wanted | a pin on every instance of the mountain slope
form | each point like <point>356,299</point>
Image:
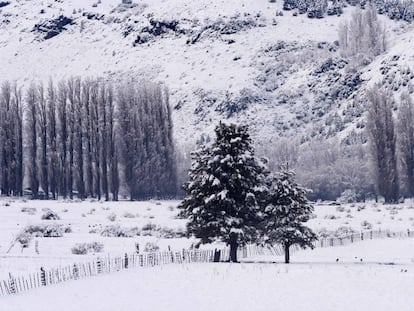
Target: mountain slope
<point>236,60</point>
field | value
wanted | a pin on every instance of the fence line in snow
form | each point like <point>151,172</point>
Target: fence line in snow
<point>107,264</point>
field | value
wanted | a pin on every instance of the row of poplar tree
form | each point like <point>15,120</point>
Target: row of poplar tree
<point>86,138</point>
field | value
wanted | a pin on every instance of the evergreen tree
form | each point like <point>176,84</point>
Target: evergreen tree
<point>225,190</point>
<point>286,212</point>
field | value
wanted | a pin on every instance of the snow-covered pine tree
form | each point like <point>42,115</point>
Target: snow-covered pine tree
<point>225,190</point>
<point>286,212</point>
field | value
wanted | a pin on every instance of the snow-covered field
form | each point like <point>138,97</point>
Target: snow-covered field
<point>87,220</point>
<point>314,281</point>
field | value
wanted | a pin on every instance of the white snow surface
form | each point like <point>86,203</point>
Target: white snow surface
<point>314,281</point>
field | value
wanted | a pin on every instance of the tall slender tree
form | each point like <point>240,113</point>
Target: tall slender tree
<point>43,134</point>
<point>32,100</point>
<point>405,127</point>
<point>381,132</point>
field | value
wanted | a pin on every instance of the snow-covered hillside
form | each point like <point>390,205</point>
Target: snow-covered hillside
<point>223,59</point>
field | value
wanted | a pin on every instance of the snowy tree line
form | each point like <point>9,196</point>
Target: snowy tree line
<point>394,9</point>
<point>363,36</point>
<point>377,161</point>
<point>86,138</point>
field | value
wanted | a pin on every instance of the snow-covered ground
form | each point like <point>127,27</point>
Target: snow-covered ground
<point>88,218</point>
<point>314,281</point>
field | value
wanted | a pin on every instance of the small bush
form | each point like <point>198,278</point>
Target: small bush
<point>115,231</point>
<point>340,209</point>
<point>84,248</point>
<point>50,215</point>
<point>151,247</point>
<point>330,216</point>
<point>91,211</point>
<point>28,210</point>
<point>348,196</point>
<point>360,208</point>
<point>366,225</point>
<point>79,249</point>
<point>24,239</point>
<point>149,227</point>
<point>47,231</point>
<point>112,217</point>
<point>129,215</point>
<point>95,247</point>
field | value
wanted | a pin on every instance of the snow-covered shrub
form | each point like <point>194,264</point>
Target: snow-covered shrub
<point>24,239</point>
<point>114,231</point>
<point>118,231</point>
<point>366,225</point>
<point>96,247</point>
<point>340,209</point>
<point>331,216</point>
<point>169,233</point>
<point>348,196</point>
<point>51,28</point>
<point>79,249</point>
<point>151,247</point>
<point>343,232</point>
<point>112,217</point>
<point>91,211</point>
<point>129,215</point>
<point>84,248</point>
<point>28,210</point>
<point>48,231</point>
<point>360,208</point>
<point>323,233</point>
<point>50,215</point>
<point>149,227</point>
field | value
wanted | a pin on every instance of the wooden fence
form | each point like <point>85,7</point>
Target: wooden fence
<point>107,264</point>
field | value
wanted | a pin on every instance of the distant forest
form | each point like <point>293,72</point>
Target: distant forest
<point>86,139</point>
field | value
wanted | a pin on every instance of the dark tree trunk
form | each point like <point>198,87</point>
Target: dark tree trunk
<point>287,253</point>
<point>233,248</point>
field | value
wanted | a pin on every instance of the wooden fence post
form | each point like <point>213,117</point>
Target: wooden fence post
<point>126,261</point>
<point>99,265</point>
<point>43,276</point>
